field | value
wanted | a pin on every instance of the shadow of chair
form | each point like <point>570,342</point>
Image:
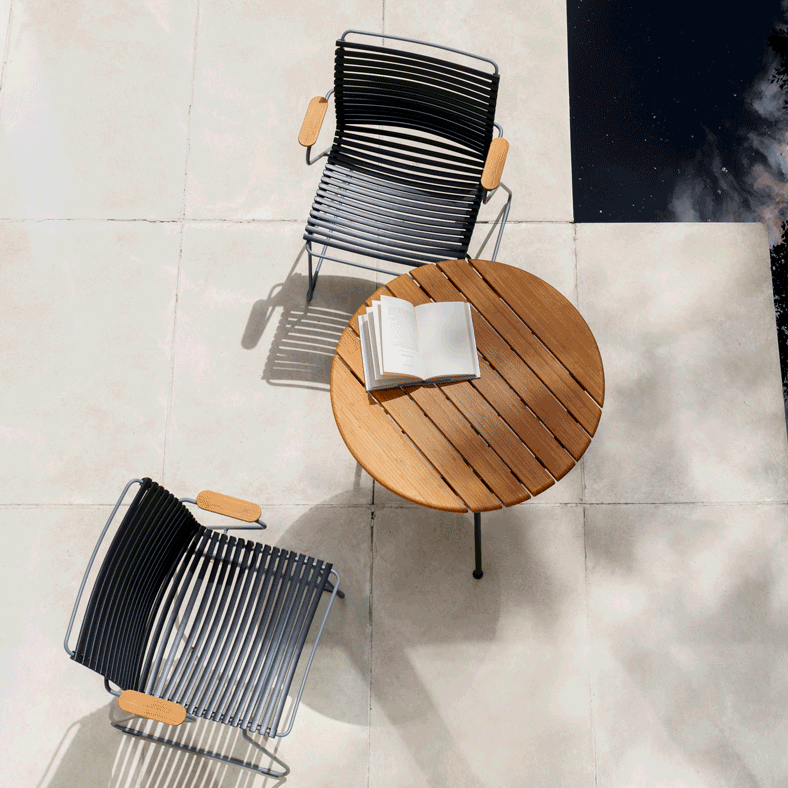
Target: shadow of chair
<point>306,334</point>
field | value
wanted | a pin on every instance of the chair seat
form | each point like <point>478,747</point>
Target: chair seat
<point>389,195</point>
<point>233,660</point>
<point>187,614</point>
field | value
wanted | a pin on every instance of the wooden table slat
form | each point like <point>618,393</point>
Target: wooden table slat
<point>430,441</point>
<point>505,435</point>
<point>465,439</point>
<point>511,368</point>
<point>405,287</point>
<point>438,450</point>
<point>507,444</point>
<point>532,391</point>
<point>487,465</point>
<point>539,440</point>
<point>381,449</point>
<point>553,318</point>
<point>565,388</point>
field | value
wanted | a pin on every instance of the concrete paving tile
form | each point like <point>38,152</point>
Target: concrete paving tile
<point>5,18</point>
<point>251,409</point>
<point>95,110</point>
<point>87,332</point>
<point>256,73</point>
<point>545,249</point>
<point>479,682</point>
<point>56,713</point>
<point>50,705</point>
<point>687,611</point>
<point>684,318</point>
<point>533,98</point>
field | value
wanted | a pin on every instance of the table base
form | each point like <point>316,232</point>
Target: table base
<point>477,538</point>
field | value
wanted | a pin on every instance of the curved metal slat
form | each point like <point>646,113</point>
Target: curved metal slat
<point>459,174</point>
<point>377,234</point>
<point>290,660</point>
<point>217,634</point>
<point>178,592</point>
<point>287,619</point>
<point>391,52</point>
<point>378,252</point>
<point>116,626</point>
<point>413,193</point>
<point>327,219</point>
<point>410,191</point>
<point>148,582</point>
<point>262,666</point>
<point>354,67</point>
<point>319,236</point>
<point>199,630</point>
<point>432,140</point>
<point>466,164</point>
<point>274,571</point>
<point>374,87</point>
<point>450,200</point>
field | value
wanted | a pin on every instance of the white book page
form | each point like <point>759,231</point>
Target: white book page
<point>446,339</point>
<point>366,352</point>
<point>399,338</point>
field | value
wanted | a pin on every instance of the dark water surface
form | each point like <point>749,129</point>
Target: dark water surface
<point>675,117</point>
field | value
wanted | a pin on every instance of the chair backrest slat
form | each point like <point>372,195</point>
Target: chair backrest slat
<point>382,86</point>
<point>156,530</point>
<point>154,576</point>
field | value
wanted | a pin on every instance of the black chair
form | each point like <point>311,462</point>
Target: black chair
<point>189,622</point>
<point>412,160</point>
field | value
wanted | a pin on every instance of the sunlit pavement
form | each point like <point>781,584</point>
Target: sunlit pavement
<point>630,625</point>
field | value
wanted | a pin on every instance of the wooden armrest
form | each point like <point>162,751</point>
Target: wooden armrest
<point>313,120</point>
<point>493,166</point>
<point>231,507</point>
<point>152,708</point>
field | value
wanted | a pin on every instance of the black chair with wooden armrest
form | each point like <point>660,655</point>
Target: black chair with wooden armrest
<point>412,160</point>
<point>188,622</point>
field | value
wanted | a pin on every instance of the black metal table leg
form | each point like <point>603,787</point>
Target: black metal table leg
<point>477,535</point>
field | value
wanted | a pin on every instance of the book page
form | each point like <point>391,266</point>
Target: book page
<point>373,380</point>
<point>370,379</point>
<point>373,326</point>
<point>446,339</point>
<point>399,338</point>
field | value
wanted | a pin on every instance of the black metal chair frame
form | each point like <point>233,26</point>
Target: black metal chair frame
<point>238,651</point>
<point>436,193</point>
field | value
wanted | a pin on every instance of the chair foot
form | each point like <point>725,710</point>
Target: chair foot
<point>329,587</point>
<point>313,277</point>
<point>210,753</point>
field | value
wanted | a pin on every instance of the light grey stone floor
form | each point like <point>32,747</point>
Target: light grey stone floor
<point>630,626</point>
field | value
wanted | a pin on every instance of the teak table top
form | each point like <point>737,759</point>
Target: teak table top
<point>496,440</point>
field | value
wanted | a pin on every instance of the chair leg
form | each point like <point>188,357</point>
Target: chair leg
<point>209,753</point>
<point>313,278</point>
<point>503,223</point>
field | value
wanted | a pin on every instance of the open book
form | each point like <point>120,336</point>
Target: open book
<point>430,343</point>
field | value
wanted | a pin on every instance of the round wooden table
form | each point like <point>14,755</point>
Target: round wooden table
<point>495,441</point>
